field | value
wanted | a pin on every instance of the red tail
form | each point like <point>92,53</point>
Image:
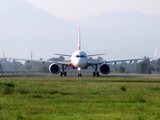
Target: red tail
<point>79,39</point>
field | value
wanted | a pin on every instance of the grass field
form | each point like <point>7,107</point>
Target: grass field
<point>83,98</point>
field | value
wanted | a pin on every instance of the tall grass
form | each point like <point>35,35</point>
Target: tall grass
<point>79,98</point>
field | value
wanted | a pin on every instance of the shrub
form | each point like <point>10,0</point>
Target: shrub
<point>123,88</point>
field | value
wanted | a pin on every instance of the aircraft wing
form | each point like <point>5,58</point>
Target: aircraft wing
<point>124,60</point>
<point>43,61</point>
<point>62,62</point>
<point>29,60</point>
<point>115,61</point>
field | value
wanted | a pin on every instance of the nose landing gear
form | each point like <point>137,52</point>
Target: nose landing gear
<point>79,72</point>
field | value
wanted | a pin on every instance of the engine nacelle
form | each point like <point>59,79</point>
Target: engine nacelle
<point>54,68</point>
<point>104,68</point>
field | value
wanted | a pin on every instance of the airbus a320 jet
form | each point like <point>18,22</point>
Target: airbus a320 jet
<point>79,60</point>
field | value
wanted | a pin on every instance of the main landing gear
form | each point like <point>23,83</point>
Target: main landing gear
<point>63,72</point>
<point>95,73</point>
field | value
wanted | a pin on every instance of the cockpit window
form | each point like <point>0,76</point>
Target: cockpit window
<point>81,56</point>
<point>77,56</point>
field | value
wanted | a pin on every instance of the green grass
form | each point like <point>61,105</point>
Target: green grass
<point>83,98</point>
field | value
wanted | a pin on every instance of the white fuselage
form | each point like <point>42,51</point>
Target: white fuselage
<point>79,59</point>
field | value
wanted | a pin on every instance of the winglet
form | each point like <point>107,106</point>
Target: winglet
<point>3,54</point>
<point>155,53</point>
<point>79,39</point>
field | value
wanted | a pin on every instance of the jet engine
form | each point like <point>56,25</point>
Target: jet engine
<point>54,68</point>
<point>104,68</point>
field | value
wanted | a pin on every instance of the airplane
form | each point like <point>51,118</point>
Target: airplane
<point>79,60</point>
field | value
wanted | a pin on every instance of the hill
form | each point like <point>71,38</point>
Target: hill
<point>124,33</point>
<point>25,28</point>
<point>119,34</point>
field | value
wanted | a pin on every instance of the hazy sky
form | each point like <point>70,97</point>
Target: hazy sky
<point>73,9</point>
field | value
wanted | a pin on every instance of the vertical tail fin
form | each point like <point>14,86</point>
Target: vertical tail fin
<point>79,39</point>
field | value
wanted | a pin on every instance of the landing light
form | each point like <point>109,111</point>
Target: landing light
<point>79,69</point>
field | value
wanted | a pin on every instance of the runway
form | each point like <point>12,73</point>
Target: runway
<point>131,75</point>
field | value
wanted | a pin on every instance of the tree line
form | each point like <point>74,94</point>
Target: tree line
<point>146,66</point>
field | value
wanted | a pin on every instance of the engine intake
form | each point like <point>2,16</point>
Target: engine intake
<point>54,68</point>
<point>104,68</point>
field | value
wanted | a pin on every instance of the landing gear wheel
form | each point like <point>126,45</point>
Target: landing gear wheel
<point>95,74</point>
<point>63,73</point>
<point>79,75</point>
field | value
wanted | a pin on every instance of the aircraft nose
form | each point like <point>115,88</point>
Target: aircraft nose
<point>82,63</point>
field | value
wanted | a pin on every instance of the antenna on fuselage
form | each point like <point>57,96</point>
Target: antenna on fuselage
<point>79,39</point>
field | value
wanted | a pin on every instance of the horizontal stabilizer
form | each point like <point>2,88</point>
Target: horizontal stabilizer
<point>63,55</point>
<point>96,54</point>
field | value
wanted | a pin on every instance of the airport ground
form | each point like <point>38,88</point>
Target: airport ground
<point>83,75</point>
<point>50,97</point>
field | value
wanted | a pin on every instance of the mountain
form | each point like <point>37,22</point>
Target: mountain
<point>123,21</point>
<point>24,28</point>
<point>119,34</point>
<point>124,33</point>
